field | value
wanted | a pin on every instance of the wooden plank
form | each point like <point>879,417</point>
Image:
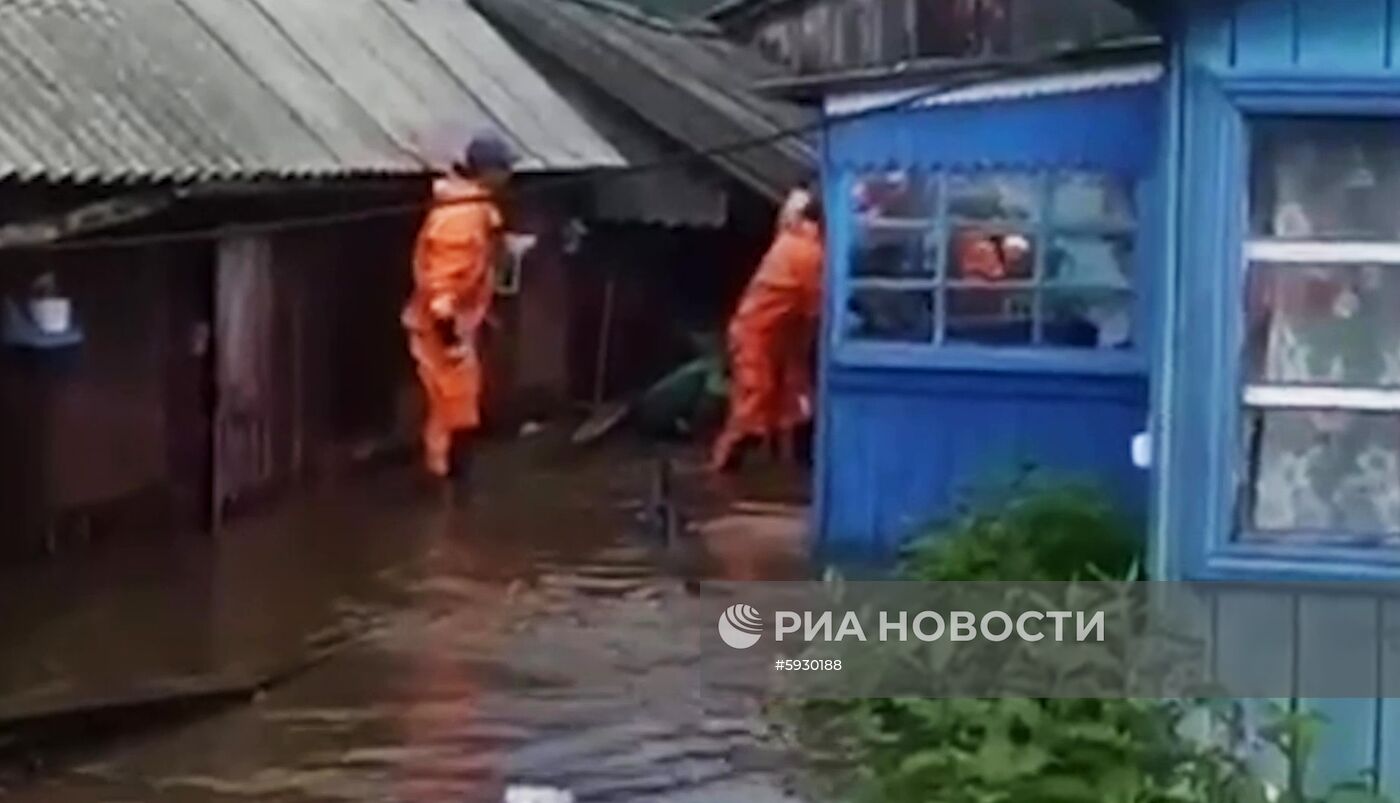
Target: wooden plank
<point>1266,34</point>
<point>1253,648</point>
<point>847,486</point>
<point>1392,11</point>
<point>1338,655</point>
<point>1210,37</point>
<point>1388,732</point>
<point>932,434</point>
<point>85,219</point>
<point>1253,641</point>
<point>1350,37</point>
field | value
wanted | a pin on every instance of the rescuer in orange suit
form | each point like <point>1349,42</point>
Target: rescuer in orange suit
<point>771,336</point>
<point>453,275</point>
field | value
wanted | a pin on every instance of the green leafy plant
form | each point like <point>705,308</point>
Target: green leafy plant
<point>1009,750</point>
<point>1295,734</point>
<point>1040,530</point>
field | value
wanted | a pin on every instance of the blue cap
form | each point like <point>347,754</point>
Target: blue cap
<point>488,151</point>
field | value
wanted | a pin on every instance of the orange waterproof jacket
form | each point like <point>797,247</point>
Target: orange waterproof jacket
<point>769,338</point>
<point>453,282</point>
<point>788,281</point>
<point>452,258</point>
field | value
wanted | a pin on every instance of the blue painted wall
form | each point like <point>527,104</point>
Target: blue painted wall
<point>904,431</point>
<point>1316,56</point>
<point>906,444</point>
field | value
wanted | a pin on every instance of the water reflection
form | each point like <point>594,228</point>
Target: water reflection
<point>528,639</point>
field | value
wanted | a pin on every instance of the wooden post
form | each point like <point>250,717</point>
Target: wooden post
<point>298,367</point>
<point>604,336</point>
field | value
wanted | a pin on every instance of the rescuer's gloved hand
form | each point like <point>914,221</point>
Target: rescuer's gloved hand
<point>459,351</point>
<point>441,306</point>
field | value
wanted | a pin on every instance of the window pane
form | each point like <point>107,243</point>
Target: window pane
<point>1323,472</point>
<point>1091,200</point>
<point>993,197</point>
<point>898,194</point>
<point>1100,261</point>
<point>989,316</point>
<point>1087,318</point>
<point>890,315</point>
<point>890,251</point>
<point>976,254</point>
<point>1326,178</point>
<point>1328,325</point>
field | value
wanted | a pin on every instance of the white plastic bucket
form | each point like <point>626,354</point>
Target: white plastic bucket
<point>53,316</point>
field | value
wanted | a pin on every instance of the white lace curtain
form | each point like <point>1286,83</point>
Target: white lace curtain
<point>1338,324</point>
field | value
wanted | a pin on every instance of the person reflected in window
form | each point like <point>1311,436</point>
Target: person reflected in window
<point>991,314</point>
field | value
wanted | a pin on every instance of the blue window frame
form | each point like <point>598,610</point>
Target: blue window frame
<point>1303,468</point>
<point>995,269</point>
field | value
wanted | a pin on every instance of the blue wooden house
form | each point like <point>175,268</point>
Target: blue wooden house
<point>992,298</point>
<point>1034,259</point>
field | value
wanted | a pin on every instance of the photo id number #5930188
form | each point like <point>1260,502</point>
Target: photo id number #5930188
<point>807,665</point>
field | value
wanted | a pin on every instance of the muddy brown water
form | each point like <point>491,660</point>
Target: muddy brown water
<point>527,639</point>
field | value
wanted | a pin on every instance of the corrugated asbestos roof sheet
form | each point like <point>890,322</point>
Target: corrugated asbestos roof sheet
<point>687,81</point>
<point>1066,81</point>
<point>682,195</point>
<point>182,89</point>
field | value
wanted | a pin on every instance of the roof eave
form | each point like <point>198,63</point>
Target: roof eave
<point>732,13</point>
<point>813,88</point>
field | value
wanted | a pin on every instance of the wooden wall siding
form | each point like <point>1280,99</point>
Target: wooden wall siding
<point>1357,37</point>
<point>1389,724</point>
<point>902,447</point>
<point>89,445</point>
<point>831,35</point>
<point>340,293</point>
<point>1322,642</point>
<point>1264,629</point>
<point>107,419</point>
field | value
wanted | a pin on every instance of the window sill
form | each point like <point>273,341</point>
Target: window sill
<point>1275,563</point>
<point>990,360</point>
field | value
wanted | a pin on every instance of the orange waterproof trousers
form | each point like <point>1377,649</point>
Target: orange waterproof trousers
<point>770,343</point>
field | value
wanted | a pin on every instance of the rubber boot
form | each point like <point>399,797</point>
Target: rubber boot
<point>461,478</point>
<point>729,461</point>
<point>806,445</point>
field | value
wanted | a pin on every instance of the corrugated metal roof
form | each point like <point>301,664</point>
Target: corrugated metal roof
<point>1060,83</point>
<point>688,82</point>
<point>691,195</point>
<point>182,89</point>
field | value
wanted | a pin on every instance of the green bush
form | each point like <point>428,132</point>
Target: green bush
<point>912,750</point>
<point>1042,531</point>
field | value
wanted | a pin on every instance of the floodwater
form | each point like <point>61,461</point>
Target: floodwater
<point>434,656</point>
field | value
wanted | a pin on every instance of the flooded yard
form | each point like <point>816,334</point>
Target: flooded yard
<point>428,655</point>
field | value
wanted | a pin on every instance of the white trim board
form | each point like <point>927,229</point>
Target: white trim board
<point>1293,397</point>
<point>1317,252</point>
